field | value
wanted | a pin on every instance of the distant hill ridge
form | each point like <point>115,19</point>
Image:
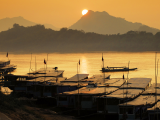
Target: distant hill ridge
<point>38,39</point>
<point>98,22</point>
<point>7,23</point>
<point>103,23</point>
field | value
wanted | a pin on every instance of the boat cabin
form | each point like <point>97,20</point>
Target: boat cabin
<point>127,92</point>
<point>86,95</point>
<point>137,108</point>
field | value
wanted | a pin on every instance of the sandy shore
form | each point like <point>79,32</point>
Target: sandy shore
<point>34,113</point>
<point>4,117</point>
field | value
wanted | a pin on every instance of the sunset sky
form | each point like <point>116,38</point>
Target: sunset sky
<point>64,13</point>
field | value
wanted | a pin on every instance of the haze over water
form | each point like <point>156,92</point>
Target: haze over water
<point>91,63</point>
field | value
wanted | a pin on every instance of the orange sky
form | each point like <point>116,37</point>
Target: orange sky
<point>63,13</point>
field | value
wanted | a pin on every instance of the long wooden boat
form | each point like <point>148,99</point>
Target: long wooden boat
<point>6,67</point>
<point>116,69</point>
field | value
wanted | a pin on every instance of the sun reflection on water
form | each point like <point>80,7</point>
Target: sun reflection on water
<point>83,66</point>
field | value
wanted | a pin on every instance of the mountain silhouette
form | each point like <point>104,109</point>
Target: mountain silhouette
<point>7,23</point>
<point>38,39</point>
<point>103,23</point>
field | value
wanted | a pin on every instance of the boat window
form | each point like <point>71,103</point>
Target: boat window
<point>63,98</point>
<point>86,98</point>
<point>112,101</point>
<point>71,100</point>
<point>122,110</point>
<point>129,110</point>
<point>36,88</point>
<point>47,89</point>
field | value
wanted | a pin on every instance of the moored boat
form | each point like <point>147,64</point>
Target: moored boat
<point>6,67</point>
<point>116,69</point>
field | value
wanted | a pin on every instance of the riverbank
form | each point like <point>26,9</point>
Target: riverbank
<point>35,113</point>
<point>24,109</point>
<point>4,117</point>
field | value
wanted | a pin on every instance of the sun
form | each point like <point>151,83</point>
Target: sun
<point>84,11</point>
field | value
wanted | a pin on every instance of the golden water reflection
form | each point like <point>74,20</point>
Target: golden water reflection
<point>84,65</point>
<point>91,63</point>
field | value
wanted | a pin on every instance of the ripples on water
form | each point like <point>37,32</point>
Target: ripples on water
<point>91,63</point>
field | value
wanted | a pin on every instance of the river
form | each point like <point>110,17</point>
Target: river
<point>90,63</point>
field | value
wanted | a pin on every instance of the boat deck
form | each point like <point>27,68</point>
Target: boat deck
<point>49,72</point>
<point>157,105</point>
<point>134,88</point>
<point>137,83</point>
<point>151,90</point>
<point>124,93</point>
<point>108,87</point>
<point>141,100</point>
<point>77,77</point>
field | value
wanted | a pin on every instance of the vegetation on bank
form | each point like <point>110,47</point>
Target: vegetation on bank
<point>37,39</point>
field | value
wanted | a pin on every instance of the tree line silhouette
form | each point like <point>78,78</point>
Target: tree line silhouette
<point>38,39</point>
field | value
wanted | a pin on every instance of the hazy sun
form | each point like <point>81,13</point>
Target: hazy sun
<point>84,12</point>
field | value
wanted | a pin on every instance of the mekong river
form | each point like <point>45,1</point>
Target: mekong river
<point>90,63</point>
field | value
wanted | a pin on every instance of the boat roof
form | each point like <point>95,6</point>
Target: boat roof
<point>124,93</point>
<point>45,79</point>
<point>137,83</point>
<point>51,81</point>
<point>134,88</point>
<point>54,83</point>
<point>19,76</point>
<point>108,87</point>
<point>91,91</point>
<point>3,62</point>
<point>137,80</point>
<point>141,100</point>
<point>77,77</point>
<point>157,105</point>
<point>151,89</point>
<point>114,82</point>
<point>44,71</point>
<point>117,67</point>
<point>84,78</point>
<point>49,72</point>
<point>8,67</point>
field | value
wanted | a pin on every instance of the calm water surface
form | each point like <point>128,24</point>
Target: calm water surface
<point>91,63</point>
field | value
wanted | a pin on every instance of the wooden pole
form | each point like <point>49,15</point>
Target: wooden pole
<point>102,60</point>
<point>47,61</point>
<point>123,93</point>
<point>35,75</point>
<point>155,80</point>
<point>30,68</point>
<point>30,64</point>
<point>78,92</point>
<point>127,88</point>
<point>35,63</point>
<point>156,87</point>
